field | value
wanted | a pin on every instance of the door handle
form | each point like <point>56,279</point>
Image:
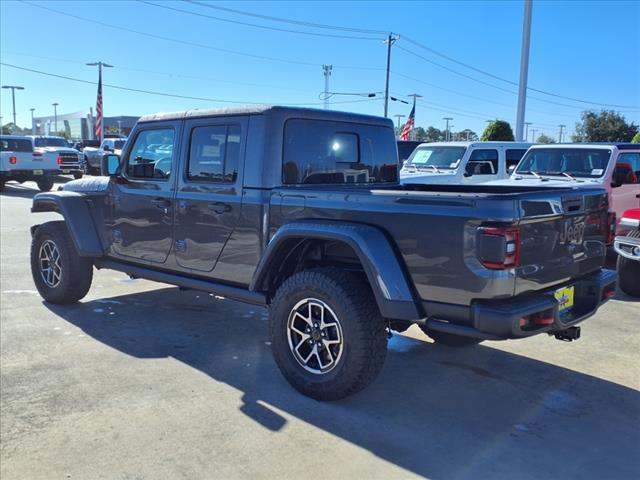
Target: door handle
<point>219,207</point>
<point>161,203</point>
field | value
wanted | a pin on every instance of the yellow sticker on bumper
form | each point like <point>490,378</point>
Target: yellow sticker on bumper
<point>564,296</point>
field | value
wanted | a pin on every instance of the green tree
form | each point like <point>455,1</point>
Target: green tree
<point>420,134</point>
<point>545,139</point>
<point>466,135</point>
<point>636,138</point>
<point>434,135</point>
<point>498,130</point>
<point>604,126</point>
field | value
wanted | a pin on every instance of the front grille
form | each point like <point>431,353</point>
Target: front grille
<point>69,158</point>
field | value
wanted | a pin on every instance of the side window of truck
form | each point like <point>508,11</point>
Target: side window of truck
<point>513,156</point>
<point>214,153</point>
<point>326,152</point>
<point>627,169</point>
<point>483,162</point>
<point>151,157</point>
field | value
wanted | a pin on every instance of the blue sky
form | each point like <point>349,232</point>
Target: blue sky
<point>583,50</point>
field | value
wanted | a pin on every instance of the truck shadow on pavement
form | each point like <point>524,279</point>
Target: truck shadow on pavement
<point>438,412</point>
<point>13,189</point>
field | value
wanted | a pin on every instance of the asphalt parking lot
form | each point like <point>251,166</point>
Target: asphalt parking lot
<point>144,381</point>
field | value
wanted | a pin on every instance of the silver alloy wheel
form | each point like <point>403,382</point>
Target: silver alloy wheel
<point>315,336</point>
<point>49,260</point>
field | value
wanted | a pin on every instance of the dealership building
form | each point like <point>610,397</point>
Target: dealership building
<point>81,125</point>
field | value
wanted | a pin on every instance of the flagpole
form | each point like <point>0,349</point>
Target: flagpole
<point>413,128</point>
<point>99,131</point>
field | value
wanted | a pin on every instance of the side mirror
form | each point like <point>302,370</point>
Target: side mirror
<point>466,174</point>
<point>110,165</point>
<point>107,148</point>
<point>511,169</point>
<point>615,183</point>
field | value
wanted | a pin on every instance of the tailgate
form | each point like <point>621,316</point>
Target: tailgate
<point>563,236</point>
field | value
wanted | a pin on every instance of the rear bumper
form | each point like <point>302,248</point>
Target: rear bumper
<point>501,319</point>
<point>27,174</point>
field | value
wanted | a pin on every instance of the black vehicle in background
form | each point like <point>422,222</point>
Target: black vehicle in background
<point>300,210</point>
<point>405,149</point>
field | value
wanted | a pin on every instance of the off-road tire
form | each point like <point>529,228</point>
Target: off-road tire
<point>364,346</point>
<point>78,175</point>
<point>76,271</point>
<point>449,339</point>
<point>45,184</point>
<point>629,272</point>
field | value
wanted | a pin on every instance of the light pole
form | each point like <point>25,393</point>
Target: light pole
<point>533,134</point>
<point>524,69</point>
<point>13,98</point>
<point>526,134</point>
<point>32,127</point>
<point>55,117</point>
<point>561,128</point>
<point>399,117</point>
<point>326,69</point>
<point>446,130</point>
<point>119,127</point>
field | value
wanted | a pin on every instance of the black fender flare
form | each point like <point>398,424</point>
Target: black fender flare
<point>75,210</point>
<point>379,259</point>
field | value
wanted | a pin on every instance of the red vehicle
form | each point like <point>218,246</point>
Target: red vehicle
<point>628,249</point>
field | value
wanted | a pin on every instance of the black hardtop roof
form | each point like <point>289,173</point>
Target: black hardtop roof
<point>280,111</point>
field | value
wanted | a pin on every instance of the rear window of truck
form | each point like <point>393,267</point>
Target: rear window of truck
<point>15,145</point>
<point>325,152</point>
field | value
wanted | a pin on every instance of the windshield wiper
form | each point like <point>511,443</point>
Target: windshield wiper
<point>524,172</point>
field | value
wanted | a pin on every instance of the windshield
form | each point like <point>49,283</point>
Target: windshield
<point>577,162</point>
<point>51,142</point>
<point>439,157</point>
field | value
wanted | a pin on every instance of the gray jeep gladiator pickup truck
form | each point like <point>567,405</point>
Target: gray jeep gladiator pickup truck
<point>301,210</point>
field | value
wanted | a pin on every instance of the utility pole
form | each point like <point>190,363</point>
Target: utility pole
<point>327,73</point>
<point>446,130</point>
<point>524,69</point>
<point>13,98</point>
<point>560,136</point>
<point>413,128</point>
<point>55,117</point>
<point>526,133</point>
<point>533,134</point>
<point>391,39</point>
<point>399,117</point>
<point>33,128</point>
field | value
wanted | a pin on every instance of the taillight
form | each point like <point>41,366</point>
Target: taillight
<point>13,160</point>
<point>611,233</point>
<point>59,160</point>
<point>499,247</point>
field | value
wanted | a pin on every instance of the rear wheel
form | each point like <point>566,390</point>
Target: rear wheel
<point>60,274</point>
<point>45,184</point>
<point>629,272</point>
<point>449,339</point>
<point>327,335</point>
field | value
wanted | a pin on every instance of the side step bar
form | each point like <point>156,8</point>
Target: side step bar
<point>227,291</point>
<point>463,330</point>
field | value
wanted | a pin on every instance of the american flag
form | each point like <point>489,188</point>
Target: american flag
<point>406,131</point>
<point>99,108</point>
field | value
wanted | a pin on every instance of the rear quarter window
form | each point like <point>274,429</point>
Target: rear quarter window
<point>325,152</point>
<point>15,145</point>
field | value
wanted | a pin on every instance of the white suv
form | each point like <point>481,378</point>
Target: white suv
<point>20,162</point>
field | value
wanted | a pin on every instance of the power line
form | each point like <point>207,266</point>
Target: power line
<point>417,44</point>
<point>173,95</point>
<point>264,27</point>
<point>192,44</point>
<point>290,21</point>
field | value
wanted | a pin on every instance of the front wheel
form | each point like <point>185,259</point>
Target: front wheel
<point>629,272</point>
<point>60,274</point>
<point>77,175</point>
<point>449,339</point>
<point>327,335</point>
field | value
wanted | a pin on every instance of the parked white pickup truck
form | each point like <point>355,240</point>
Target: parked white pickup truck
<point>461,162</point>
<point>20,162</point>
<point>616,166</point>
<point>69,160</point>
